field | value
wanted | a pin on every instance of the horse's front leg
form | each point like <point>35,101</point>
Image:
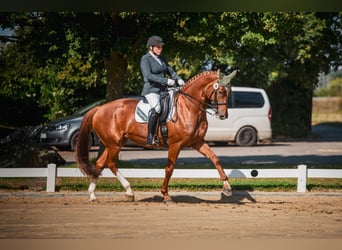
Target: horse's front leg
<point>205,150</point>
<point>171,162</point>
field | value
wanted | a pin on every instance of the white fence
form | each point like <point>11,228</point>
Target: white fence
<point>52,172</point>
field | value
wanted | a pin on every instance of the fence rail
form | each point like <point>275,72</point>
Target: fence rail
<point>52,172</point>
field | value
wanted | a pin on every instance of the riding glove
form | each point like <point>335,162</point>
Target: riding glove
<point>180,82</point>
<point>170,82</point>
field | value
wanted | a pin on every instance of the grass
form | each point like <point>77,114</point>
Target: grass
<point>276,184</point>
<point>128,164</point>
<point>207,184</point>
<point>326,110</point>
<point>323,113</point>
<point>176,184</point>
<point>334,118</point>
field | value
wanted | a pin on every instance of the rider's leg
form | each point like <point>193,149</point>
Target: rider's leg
<point>152,126</point>
<point>154,101</point>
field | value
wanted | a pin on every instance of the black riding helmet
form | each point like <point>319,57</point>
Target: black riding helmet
<point>155,41</point>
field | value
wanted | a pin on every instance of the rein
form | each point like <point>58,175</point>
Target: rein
<point>224,80</point>
<point>214,105</point>
<point>208,105</point>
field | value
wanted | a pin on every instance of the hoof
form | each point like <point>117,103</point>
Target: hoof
<point>168,202</point>
<point>129,198</point>
<point>227,192</point>
<point>92,200</point>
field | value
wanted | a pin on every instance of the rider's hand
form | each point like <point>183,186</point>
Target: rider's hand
<point>170,82</point>
<point>180,82</point>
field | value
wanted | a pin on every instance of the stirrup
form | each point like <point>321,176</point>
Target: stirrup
<point>152,141</point>
<point>155,141</point>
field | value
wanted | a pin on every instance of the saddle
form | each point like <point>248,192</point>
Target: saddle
<point>167,110</point>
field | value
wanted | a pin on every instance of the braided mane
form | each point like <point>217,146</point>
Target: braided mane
<point>200,75</point>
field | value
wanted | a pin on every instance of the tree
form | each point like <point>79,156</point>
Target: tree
<point>74,55</point>
<point>69,58</point>
<point>282,52</point>
<point>56,72</point>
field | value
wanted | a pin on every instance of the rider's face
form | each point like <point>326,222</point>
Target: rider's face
<point>157,50</point>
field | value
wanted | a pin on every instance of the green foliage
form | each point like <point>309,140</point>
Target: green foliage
<point>53,70</point>
<point>68,59</point>
<point>291,116</point>
<point>335,87</point>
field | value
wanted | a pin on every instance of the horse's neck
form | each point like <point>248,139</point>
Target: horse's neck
<point>198,88</point>
<point>195,97</point>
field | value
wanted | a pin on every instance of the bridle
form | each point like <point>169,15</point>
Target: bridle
<point>212,104</point>
<point>215,104</point>
<point>222,81</point>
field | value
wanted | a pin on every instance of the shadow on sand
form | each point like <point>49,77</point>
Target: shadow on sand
<point>236,198</point>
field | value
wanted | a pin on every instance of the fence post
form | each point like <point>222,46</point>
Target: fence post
<point>302,176</point>
<point>51,177</point>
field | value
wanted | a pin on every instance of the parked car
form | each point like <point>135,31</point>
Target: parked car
<point>249,118</point>
<point>63,132</point>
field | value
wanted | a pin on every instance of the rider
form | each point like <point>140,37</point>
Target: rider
<point>158,75</point>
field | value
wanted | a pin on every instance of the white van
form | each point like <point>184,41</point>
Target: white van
<point>249,118</point>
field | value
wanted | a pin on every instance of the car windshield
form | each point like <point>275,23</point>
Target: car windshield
<point>85,109</point>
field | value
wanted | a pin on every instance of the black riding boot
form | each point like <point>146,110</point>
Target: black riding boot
<point>153,120</point>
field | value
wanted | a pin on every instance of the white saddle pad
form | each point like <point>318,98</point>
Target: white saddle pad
<point>142,109</point>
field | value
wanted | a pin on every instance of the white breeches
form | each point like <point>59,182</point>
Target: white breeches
<point>154,101</point>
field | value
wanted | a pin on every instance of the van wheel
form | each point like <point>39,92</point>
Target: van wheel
<point>74,139</point>
<point>247,136</point>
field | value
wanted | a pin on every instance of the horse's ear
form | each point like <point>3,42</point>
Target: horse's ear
<point>219,75</point>
<point>225,81</point>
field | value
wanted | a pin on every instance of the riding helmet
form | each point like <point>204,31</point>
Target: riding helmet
<point>155,41</point>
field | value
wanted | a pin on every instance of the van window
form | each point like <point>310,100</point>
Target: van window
<point>244,99</point>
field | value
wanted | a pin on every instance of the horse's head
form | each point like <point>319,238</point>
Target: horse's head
<point>219,93</point>
<point>210,89</point>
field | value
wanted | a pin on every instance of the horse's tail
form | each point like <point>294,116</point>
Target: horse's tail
<point>82,148</point>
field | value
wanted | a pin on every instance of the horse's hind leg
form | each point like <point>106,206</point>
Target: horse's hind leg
<point>112,165</point>
<point>100,164</point>
<point>205,150</point>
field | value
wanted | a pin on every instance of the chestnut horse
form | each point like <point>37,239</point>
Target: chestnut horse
<point>114,123</point>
